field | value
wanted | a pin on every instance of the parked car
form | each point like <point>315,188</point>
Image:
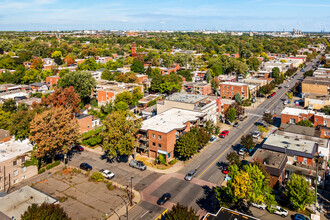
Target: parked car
<point>259,206</point>
<point>107,174</point>
<point>256,134</point>
<point>268,97</point>
<point>285,102</point>
<point>280,211</point>
<point>235,125</point>
<point>164,198</point>
<point>86,166</point>
<point>224,133</point>
<point>77,148</point>
<point>242,151</point>
<point>287,86</point>
<point>212,139</point>
<point>300,217</point>
<point>274,93</point>
<point>267,111</point>
<point>138,165</point>
<point>225,170</point>
<point>190,175</point>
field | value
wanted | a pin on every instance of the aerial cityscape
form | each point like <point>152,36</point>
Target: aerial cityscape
<point>178,110</point>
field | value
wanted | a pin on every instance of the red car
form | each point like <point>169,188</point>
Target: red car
<point>274,93</point>
<point>224,134</point>
<point>78,148</point>
<point>225,170</point>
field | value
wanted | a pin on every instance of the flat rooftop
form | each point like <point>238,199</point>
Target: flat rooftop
<point>114,86</point>
<point>233,84</point>
<point>296,111</point>
<point>196,84</point>
<point>13,149</point>
<point>317,96</point>
<point>269,158</point>
<point>148,98</point>
<point>170,120</point>
<point>17,202</point>
<point>317,81</point>
<point>186,98</point>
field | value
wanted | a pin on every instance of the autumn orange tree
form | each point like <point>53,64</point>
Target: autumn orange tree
<point>54,131</point>
<point>37,63</point>
<point>66,98</point>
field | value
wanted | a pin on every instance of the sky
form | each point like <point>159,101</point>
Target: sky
<point>245,15</point>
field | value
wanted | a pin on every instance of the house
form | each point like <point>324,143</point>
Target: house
<point>197,88</point>
<point>317,85</point>
<point>224,104</point>
<point>13,154</point>
<point>147,99</point>
<point>52,80</point>
<point>269,65</point>
<point>315,101</point>
<point>322,73</point>
<point>274,163</point>
<point>142,78</point>
<point>294,115</point>
<point>198,75</point>
<point>84,121</point>
<point>158,134</point>
<point>229,90</point>
<point>10,91</point>
<point>198,103</point>
<point>39,87</point>
<point>14,205</point>
<point>27,64</point>
<point>29,101</point>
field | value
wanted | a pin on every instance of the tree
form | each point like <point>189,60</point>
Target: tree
<point>238,98</point>
<point>120,128</point>
<point>289,95</point>
<point>275,72</point>
<point>181,212</point>
<point>107,75</point>
<point>208,76</point>
<point>308,73</point>
<point>20,124</point>
<point>298,192</point>
<point>57,53</point>
<point>268,118</point>
<point>253,63</point>
<point>326,109</point>
<point>137,95</point>
<point>231,114</point>
<point>305,123</point>
<point>187,145</point>
<point>125,96</point>
<point>137,66</point>
<point>82,82</point>
<point>233,158</point>
<point>66,98</point>
<point>247,142</point>
<point>121,106</point>
<point>9,105</point>
<point>129,77</point>
<point>108,108</point>
<point>186,74</point>
<point>54,131</point>
<point>37,63</point>
<point>45,211</point>
<point>5,119</point>
<point>69,60</point>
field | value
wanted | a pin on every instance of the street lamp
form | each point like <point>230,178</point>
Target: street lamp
<point>125,205</point>
<point>115,213</point>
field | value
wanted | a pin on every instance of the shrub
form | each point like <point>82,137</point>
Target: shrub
<point>96,176</point>
<point>161,159</point>
<point>172,162</point>
<point>110,186</point>
<point>50,166</point>
<point>41,170</point>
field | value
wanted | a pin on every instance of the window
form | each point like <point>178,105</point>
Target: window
<point>224,87</point>
<point>232,88</point>
<point>227,87</point>
<point>316,119</point>
<point>153,135</point>
<point>159,137</point>
<point>304,118</point>
<point>295,158</point>
<point>305,160</point>
<point>15,181</point>
<point>23,177</point>
<point>292,121</point>
<point>0,178</point>
<point>159,145</point>
<point>23,169</point>
<point>15,172</point>
<point>23,159</point>
<point>153,144</point>
<point>232,93</point>
<point>169,155</point>
<point>15,163</point>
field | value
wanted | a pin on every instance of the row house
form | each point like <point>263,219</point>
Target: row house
<point>102,60</point>
<point>229,90</point>
<point>316,85</point>
<point>52,80</point>
<point>322,73</point>
<point>314,101</point>
<point>197,88</point>
<point>295,115</point>
<point>158,134</point>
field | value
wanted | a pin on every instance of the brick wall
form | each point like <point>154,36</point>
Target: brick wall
<point>104,96</point>
<point>52,80</point>
<point>229,91</point>
<point>85,124</point>
<point>325,133</point>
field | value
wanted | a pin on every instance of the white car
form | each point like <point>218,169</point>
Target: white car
<point>280,211</point>
<point>107,174</point>
<point>285,102</point>
<point>267,111</point>
<point>256,134</point>
<point>259,206</point>
<point>287,86</point>
<point>242,151</point>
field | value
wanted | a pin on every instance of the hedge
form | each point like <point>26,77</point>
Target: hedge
<point>41,170</point>
<point>50,166</point>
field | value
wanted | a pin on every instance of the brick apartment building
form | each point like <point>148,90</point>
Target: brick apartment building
<point>52,80</point>
<point>316,85</point>
<point>228,90</point>
<point>158,134</point>
<point>197,88</point>
<point>295,115</point>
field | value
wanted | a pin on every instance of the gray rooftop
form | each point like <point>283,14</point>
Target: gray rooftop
<point>186,98</point>
<point>269,158</point>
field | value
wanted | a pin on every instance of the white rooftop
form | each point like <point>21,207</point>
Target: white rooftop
<point>17,202</point>
<point>171,119</point>
<point>296,111</point>
<point>13,149</point>
<point>233,83</point>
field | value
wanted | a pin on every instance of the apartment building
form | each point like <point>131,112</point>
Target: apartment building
<point>228,90</point>
<point>198,103</point>
<point>314,101</point>
<point>52,80</point>
<point>197,88</point>
<point>158,134</point>
<point>316,85</point>
<point>295,115</point>
<point>13,154</point>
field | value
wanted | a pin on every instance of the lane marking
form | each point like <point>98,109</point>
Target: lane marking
<point>210,177</point>
<point>144,214</point>
<point>198,166</point>
<point>235,140</point>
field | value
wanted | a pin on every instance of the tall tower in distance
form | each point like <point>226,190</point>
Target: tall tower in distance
<point>134,50</point>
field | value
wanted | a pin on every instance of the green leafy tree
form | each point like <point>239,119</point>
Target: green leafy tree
<point>253,63</point>
<point>208,76</point>
<point>20,124</point>
<point>268,118</point>
<point>247,142</point>
<point>107,75</point>
<point>108,108</point>
<point>137,66</point>
<point>305,123</point>
<point>181,212</point>
<point>233,158</point>
<point>187,145</point>
<point>125,96</point>
<point>45,211</point>
<point>120,128</point>
<point>82,82</point>
<point>5,119</point>
<point>186,74</point>
<point>238,98</point>
<point>308,73</point>
<point>231,114</point>
<point>121,106</point>
<point>149,71</point>
<point>298,192</point>
<point>137,95</point>
<point>275,72</point>
<point>289,95</point>
<point>326,109</point>
<point>31,76</point>
<point>9,105</point>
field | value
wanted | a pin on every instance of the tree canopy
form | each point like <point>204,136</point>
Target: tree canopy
<point>45,211</point>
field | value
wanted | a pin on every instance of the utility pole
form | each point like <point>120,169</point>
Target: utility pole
<point>131,200</point>
<point>317,165</point>
<point>125,205</point>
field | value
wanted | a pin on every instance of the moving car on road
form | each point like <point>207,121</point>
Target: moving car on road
<point>287,86</point>
<point>285,102</point>
<point>267,111</point>
<point>138,165</point>
<point>86,166</point>
<point>107,174</point>
<point>224,133</point>
<point>190,175</point>
<point>164,198</point>
<point>273,94</point>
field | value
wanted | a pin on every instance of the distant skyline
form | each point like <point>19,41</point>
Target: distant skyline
<point>254,15</point>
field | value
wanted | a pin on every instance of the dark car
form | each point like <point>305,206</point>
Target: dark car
<point>268,97</point>
<point>300,217</point>
<point>86,166</point>
<point>236,124</point>
<point>225,170</point>
<point>77,148</point>
<point>163,199</point>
